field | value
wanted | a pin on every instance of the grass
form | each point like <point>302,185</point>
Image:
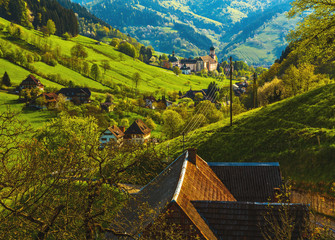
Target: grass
<point>35,118</point>
<point>297,132</point>
<point>153,78</point>
<point>17,74</point>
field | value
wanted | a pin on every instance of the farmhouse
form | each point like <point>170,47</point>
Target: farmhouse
<point>76,95</point>
<point>112,134</point>
<point>210,200</point>
<point>149,102</point>
<point>31,82</point>
<point>138,132</point>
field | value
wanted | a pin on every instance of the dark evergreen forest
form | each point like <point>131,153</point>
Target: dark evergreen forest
<point>35,14</point>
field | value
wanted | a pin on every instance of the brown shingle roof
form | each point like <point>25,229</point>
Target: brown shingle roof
<point>252,182</point>
<point>116,131</point>
<point>31,78</point>
<point>180,183</point>
<point>138,127</point>
<point>245,220</point>
<point>199,182</point>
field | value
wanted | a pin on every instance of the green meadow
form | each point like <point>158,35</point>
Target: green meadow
<point>297,132</point>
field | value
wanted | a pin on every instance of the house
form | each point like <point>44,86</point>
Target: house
<point>185,70</point>
<point>112,134</point>
<point>138,132</point>
<point>205,203</point>
<point>149,102</point>
<point>76,95</point>
<point>44,100</point>
<point>31,82</point>
<point>191,94</point>
<point>163,103</point>
<point>107,106</point>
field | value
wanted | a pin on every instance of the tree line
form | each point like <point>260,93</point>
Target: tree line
<point>36,14</point>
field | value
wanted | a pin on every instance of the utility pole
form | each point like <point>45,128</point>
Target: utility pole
<point>255,90</point>
<point>231,91</point>
<point>183,141</point>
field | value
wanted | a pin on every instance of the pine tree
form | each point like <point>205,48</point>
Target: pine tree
<point>6,80</point>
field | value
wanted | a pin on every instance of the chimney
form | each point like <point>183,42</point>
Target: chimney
<point>122,128</point>
<point>192,155</point>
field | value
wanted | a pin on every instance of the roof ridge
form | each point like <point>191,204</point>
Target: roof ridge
<point>244,164</point>
<point>181,178</point>
<point>162,171</point>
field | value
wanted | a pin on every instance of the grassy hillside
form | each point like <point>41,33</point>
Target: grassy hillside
<point>297,132</point>
<point>121,72</point>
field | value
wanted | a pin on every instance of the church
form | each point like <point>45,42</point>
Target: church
<point>208,62</point>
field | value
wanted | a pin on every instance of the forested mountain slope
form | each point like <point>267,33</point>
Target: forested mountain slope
<point>190,27</point>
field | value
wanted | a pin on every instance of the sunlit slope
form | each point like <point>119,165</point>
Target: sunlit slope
<point>298,133</point>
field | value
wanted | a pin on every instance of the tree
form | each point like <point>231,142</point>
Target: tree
<point>62,184</point>
<point>176,70</point>
<point>95,72</point>
<point>105,65</point>
<point>6,80</point>
<point>172,123</point>
<point>150,123</point>
<point>313,37</point>
<point>127,49</point>
<point>124,122</point>
<point>51,27</point>
<point>79,51</point>
<point>115,42</point>
<point>136,79</point>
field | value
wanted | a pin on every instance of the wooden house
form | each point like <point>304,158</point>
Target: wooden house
<point>207,204</point>
<point>137,133</point>
<point>76,95</point>
<point>112,135</point>
<point>30,83</point>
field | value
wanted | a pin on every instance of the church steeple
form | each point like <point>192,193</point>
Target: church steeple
<point>212,52</point>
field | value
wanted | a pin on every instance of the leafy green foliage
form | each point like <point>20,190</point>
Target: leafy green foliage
<point>313,36</point>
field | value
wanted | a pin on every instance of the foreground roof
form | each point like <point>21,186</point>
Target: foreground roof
<point>251,182</point>
<point>202,199</point>
<point>245,220</point>
<point>188,178</point>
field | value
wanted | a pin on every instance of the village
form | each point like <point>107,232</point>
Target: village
<point>31,91</point>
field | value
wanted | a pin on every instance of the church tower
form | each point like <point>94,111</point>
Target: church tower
<point>212,52</point>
